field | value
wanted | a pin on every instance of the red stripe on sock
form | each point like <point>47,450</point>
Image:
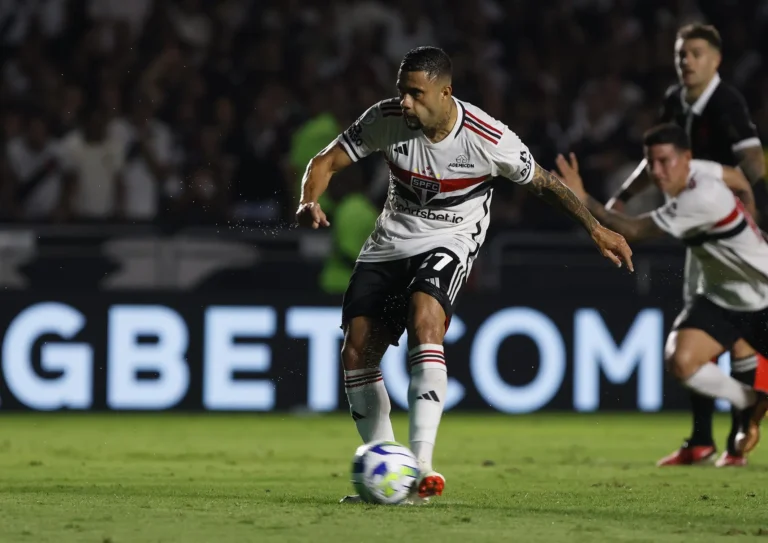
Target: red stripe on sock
<point>428,351</point>
<point>362,377</point>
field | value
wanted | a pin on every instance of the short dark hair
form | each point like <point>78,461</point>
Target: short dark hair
<point>432,60</point>
<point>665,134</point>
<point>700,31</point>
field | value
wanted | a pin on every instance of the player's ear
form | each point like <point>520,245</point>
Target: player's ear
<point>447,91</point>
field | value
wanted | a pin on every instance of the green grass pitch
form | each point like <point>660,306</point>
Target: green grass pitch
<point>267,478</point>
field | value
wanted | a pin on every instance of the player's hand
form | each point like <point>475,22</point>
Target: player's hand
<point>310,214</point>
<point>613,246</point>
<point>568,172</point>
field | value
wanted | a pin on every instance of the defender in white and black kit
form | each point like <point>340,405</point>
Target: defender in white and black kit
<point>731,300</point>
<point>716,118</point>
<point>442,155</point>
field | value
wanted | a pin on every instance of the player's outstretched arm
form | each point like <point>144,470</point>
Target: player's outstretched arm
<point>636,183</point>
<point>318,174</point>
<point>632,228</point>
<point>612,245</point>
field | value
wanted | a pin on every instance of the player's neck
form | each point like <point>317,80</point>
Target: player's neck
<point>694,93</point>
<point>440,132</point>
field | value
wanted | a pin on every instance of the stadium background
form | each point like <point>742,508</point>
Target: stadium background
<point>198,292</point>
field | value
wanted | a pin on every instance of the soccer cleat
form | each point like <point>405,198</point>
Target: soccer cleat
<point>689,455</point>
<point>432,484</point>
<point>731,460</point>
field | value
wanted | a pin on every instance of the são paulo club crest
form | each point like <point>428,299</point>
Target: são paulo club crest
<point>425,189</point>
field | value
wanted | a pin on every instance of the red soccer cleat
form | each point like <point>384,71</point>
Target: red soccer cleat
<point>727,460</point>
<point>689,455</point>
<point>432,484</point>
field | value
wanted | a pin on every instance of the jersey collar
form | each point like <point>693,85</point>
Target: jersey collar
<point>452,134</point>
<point>699,105</point>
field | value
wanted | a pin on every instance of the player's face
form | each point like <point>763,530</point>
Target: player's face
<point>668,166</point>
<point>696,62</point>
<point>423,100</point>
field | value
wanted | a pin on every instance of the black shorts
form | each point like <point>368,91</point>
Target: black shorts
<point>382,290</point>
<point>726,326</point>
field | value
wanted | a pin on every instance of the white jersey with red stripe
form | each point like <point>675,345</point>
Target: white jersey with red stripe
<point>692,272</point>
<point>729,249</point>
<point>439,193</point>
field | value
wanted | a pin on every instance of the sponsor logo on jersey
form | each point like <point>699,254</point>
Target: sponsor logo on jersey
<point>354,133</point>
<point>461,161</point>
<point>525,158</point>
<point>425,189</point>
<point>430,214</point>
<point>402,149</point>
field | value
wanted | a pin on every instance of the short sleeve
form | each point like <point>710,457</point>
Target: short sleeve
<point>365,135</point>
<point>696,210</point>
<point>511,158</point>
<point>736,122</point>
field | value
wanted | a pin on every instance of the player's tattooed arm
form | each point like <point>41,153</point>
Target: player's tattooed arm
<point>550,189</point>
<point>632,228</point>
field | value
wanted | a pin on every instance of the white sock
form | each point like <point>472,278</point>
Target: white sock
<point>710,381</point>
<point>426,395</point>
<point>369,404</point>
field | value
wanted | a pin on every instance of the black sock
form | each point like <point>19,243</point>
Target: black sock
<point>702,408</point>
<point>743,370</point>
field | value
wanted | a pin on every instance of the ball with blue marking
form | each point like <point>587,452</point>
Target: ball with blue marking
<point>384,472</point>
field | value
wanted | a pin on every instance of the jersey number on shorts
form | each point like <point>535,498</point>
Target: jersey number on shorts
<point>443,259</point>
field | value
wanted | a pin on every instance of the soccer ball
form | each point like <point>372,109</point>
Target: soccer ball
<point>383,472</point>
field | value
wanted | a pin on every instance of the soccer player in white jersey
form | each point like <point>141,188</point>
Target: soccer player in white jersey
<point>731,300</point>
<point>442,155</point>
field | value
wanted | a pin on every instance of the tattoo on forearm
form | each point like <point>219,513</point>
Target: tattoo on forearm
<point>752,163</point>
<point>632,228</point>
<point>553,191</point>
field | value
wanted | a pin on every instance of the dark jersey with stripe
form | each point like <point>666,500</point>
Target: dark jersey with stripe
<point>718,123</point>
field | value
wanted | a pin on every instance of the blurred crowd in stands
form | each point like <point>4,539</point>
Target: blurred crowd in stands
<point>203,112</point>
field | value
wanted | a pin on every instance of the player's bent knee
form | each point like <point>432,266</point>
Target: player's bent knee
<point>352,356</point>
<point>683,363</point>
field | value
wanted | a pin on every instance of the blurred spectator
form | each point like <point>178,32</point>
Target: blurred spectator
<point>93,161</point>
<point>35,171</point>
<point>147,168</point>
